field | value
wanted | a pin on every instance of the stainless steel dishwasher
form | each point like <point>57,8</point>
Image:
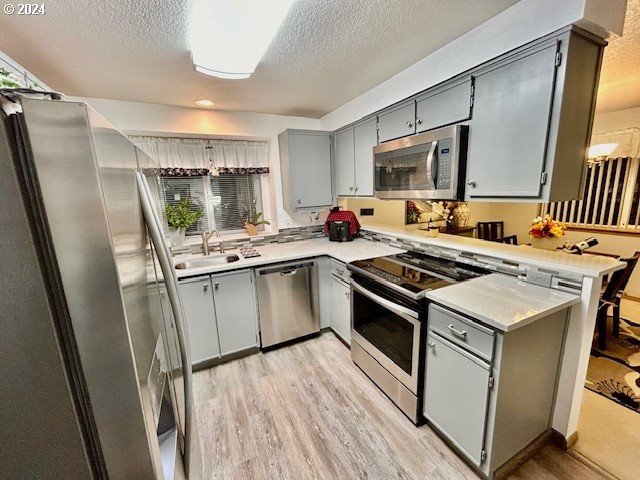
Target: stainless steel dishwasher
<point>288,301</point>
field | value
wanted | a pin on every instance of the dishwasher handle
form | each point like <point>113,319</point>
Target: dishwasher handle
<point>286,270</point>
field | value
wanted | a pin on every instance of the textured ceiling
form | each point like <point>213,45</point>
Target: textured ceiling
<point>326,53</point>
<point>620,77</point>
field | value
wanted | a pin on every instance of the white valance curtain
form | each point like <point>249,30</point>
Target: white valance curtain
<point>628,141</point>
<point>195,156</point>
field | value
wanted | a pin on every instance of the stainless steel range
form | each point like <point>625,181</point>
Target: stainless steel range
<point>389,320</point>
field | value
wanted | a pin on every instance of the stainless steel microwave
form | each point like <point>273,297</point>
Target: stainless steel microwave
<point>427,166</point>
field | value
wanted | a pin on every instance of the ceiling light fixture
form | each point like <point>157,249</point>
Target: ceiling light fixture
<point>229,37</point>
<point>205,103</point>
<point>599,152</point>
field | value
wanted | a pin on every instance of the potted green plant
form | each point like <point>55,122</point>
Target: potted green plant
<point>253,222</point>
<point>180,216</point>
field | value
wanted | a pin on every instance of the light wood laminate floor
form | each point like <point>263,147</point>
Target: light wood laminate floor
<point>305,411</point>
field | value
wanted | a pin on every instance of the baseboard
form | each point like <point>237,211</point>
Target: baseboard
<point>227,358</point>
<point>524,455</point>
<point>562,442</point>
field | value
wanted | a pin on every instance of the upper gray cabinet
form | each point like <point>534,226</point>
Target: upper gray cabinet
<point>398,121</point>
<point>445,105</point>
<point>354,159</point>
<point>305,163</point>
<point>531,125</point>
<point>344,157</point>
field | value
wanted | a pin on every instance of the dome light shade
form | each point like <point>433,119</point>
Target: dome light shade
<point>229,37</point>
<point>205,102</point>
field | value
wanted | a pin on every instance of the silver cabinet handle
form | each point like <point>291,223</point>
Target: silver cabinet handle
<point>290,272</point>
<point>462,333</point>
<point>471,183</point>
<point>355,189</point>
<point>216,285</point>
<point>409,124</point>
<point>432,344</point>
<point>299,201</point>
<point>350,188</point>
<point>418,121</point>
<point>205,287</point>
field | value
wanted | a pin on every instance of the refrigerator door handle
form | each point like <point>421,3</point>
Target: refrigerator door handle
<point>171,281</point>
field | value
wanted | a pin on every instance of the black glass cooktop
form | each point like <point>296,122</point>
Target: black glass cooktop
<point>415,272</point>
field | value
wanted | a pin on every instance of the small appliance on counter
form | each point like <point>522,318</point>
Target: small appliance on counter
<point>341,225</point>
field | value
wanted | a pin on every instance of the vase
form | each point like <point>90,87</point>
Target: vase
<point>545,243</point>
<point>462,214</point>
<point>252,230</point>
<point>176,236</point>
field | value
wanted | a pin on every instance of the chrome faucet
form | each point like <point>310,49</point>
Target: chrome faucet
<point>205,240</point>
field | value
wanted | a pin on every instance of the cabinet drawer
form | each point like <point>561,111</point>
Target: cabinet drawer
<point>462,331</point>
<point>339,269</point>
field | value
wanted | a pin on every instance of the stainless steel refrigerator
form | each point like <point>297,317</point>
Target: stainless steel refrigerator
<point>94,369</point>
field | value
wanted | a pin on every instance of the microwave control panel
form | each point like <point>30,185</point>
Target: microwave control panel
<point>443,179</point>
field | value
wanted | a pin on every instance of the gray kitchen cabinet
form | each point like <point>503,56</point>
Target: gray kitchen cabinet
<point>305,165</point>
<point>398,121</point>
<point>344,158</point>
<point>449,406</point>
<point>480,382</point>
<point>444,105</point>
<point>234,298</point>
<point>340,301</point>
<point>531,125</point>
<point>354,159</point>
<point>365,138</point>
<point>200,314</point>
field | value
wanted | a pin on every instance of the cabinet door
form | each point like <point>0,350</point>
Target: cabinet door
<point>456,392</point>
<point>444,107</point>
<point>341,309</point>
<point>345,179</point>
<point>508,136</point>
<point>235,301</point>
<point>310,169</point>
<point>397,122</point>
<point>365,138</point>
<point>197,301</point>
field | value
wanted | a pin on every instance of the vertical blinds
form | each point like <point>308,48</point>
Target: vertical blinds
<point>611,197</point>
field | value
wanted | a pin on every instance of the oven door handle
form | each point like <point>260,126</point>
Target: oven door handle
<point>395,308</point>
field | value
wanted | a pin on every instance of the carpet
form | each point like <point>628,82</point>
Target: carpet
<point>615,372</point>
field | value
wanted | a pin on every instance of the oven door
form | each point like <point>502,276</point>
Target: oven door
<point>424,166</point>
<point>389,332</point>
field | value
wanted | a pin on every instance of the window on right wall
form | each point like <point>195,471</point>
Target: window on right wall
<point>611,197</point>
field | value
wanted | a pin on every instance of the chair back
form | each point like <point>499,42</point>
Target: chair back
<point>620,278</point>
<point>490,230</point>
<point>510,239</point>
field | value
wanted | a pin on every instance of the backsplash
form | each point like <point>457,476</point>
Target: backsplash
<point>283,236</point>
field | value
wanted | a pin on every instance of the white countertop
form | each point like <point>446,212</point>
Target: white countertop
<point>587,265</point>
<point>502,301</point>
<point>358,249</point>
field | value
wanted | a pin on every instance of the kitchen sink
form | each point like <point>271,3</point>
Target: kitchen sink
<point>207,262</point>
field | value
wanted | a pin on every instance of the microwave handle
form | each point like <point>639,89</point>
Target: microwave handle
<point>432,165</point>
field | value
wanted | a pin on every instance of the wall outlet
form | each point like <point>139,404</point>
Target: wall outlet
<point>539,278</point>
<point>366,212</point>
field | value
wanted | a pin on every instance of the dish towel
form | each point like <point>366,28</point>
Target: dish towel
<point>344,216</point>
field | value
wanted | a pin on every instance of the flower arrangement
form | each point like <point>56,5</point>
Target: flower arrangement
<point>546,227</point>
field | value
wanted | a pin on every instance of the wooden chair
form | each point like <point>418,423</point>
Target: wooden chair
<point>611,297</point>
<point>510,239</point>
<point>490,230</point>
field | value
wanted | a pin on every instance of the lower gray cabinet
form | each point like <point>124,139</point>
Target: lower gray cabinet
<point>341,309</point>
<point>221,314</point>
<point>458,387</point>
<point>235,303</point>
<point>197,302</point>
<point>491,393</point>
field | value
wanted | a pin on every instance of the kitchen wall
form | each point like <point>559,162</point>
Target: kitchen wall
<point>145,118</point>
